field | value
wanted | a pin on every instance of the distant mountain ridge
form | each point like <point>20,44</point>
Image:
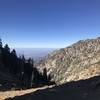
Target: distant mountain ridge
<point>34,52</point>
<point>78,61</point>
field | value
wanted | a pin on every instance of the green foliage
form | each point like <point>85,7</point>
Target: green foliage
<point>0,43</point>
<point>21,69</point>
<point>6,48</point>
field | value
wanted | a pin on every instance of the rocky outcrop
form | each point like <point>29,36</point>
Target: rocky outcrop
<point>78,61</point>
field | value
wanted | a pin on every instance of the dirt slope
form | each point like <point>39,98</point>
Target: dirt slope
<point>80,90</point>
<point>13,93</point>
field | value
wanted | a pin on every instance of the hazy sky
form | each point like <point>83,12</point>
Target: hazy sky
<point>48,23</point>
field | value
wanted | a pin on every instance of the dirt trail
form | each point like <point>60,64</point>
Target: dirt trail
<point>76,90</point>
<point>8,94</point>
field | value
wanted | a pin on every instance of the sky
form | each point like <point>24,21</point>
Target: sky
<point>48,23</point>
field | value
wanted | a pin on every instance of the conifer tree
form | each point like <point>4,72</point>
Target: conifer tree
<point>0,43</point>
<point>6,48</point>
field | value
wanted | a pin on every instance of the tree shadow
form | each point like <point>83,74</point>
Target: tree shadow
<point>88,89</point>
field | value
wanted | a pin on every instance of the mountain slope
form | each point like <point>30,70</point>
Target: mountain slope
<point>79,90</point>
<point>78,61</point>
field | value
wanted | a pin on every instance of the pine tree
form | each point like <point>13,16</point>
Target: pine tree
<point>13,52</point>
<point>0,43</point>
<point>45,78</point>
<point>6,48</point>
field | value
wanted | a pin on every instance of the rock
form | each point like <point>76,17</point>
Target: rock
<point>78,61</point>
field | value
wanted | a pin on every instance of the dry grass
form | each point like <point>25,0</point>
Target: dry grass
<point>11,94</point>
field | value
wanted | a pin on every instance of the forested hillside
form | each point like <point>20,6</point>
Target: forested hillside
<point>18,72</point>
